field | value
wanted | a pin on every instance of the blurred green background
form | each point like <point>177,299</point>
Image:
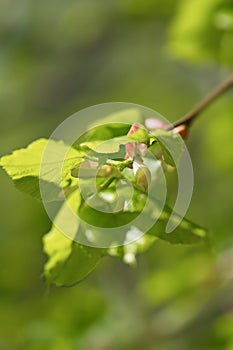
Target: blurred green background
<point>57,57</point>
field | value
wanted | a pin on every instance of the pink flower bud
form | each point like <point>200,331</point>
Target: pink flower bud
<point>133,128</point>
<point>153,124</point>
<point>129,147</point>
<point>182,130</point>
<point>133,149</point>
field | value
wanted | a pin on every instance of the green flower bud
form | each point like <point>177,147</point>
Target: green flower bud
<point>143,176</point>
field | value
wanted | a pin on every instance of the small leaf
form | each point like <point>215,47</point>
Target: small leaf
<point>171,145</point>
<point>108,146</point>
<point>129,116</point>
<point>113,125</point>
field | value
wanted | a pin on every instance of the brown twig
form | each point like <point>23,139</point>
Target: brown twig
<point>190,116</point>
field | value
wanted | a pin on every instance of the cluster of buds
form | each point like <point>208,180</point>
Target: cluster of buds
<point>134,154</point>
<point>135,151</point>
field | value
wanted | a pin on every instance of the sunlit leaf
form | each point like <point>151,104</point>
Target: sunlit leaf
<point>68,261</point>
<point>186,233</point>
<point>24,166</point>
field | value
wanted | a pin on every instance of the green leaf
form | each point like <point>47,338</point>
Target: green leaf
<point>23,166</point>
<point>31,186</point>
<point>129,116</point>
<point>186,233</point>
<point>113,145</point>
<point>108,146</point>
<point>24,162</point>
<point>114,125</point>
<point>171,145</point>
<point>106,220</point>
<point>69,262</point>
